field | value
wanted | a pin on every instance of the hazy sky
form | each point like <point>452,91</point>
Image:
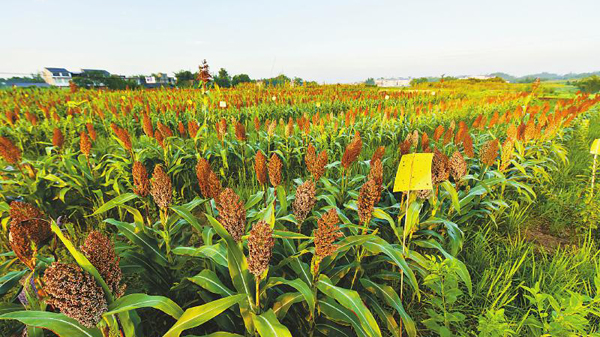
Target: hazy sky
<point>327,41</point>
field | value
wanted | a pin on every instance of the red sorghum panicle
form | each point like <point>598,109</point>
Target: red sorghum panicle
<point>202,172</point>
<point>181,129</point>
<point>260,248</point>
<point>378,154</point>
<point>91,131</point>
<point>141,184</point>
<point>275,166</point>
<point>147,125</point>
<point>440,170</point>
<point>232,213</point>
<point>376,174</point>
<point>240,132</point>
<point>9,151</point>
<point>319,168</point>
<point>57,138</point>
<point>75,293</point>
<point>326,234</point>
<point>439,131</point>
<point>468,145</point>
<point>310,158</point>
<point>424,142</point>
<point>367,198</point>
<point>100,251</point>
<point>164,130</point>
<point>27,226</point>
<point>507,152</point>
<point>214,185</point>
<point>161,189</point>
<point>352,151</point>
<point>260,167</point>
<point>458,166</point>
<point>85,145</point>
<point>193,128</point>
<point>304,202</point>
<point>159,138</point>
<point>489,152</point>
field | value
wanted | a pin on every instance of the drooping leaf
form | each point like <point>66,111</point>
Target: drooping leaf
<point>199,315</point>
<point>136,301</point>
<point>57,323</point>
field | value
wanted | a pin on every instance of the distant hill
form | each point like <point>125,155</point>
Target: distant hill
<point>543,76</point>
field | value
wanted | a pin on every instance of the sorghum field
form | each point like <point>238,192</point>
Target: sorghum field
<point>270,211</point>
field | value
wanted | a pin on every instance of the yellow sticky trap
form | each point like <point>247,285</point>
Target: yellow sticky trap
<point>414,172</point>
<point>595,147</point>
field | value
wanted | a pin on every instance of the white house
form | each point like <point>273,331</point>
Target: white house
<point>392,82</point>
<point>59,77</point>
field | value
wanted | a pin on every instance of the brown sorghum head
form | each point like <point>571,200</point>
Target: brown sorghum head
<point>58,139</point>
<point>275,166</point>
<point>468,145</point>
<point>507,152</point>
<point>326,234</point>
<point>240,132</point>
<point>489,152</point>
<point>440,170</point>
<point>181,129</point>
<point>304,202</point>
<point>85,145</point>
<point>289,128</point>
<point>161,189</point>
<point>512,132</point>
<point>147,125</point>
<point>159,138</point>
<point>221,128</point>
<point>141,184</point>
<point>28,227</point>
<point>352,151</point>
<point>424,141</point>
<point>165,130</point>
<point>378,154</point>
<point>260,167</point>
<point>311,158</point>
<point>260,248</point>
<point>458,166</point>
<point>193,128</point>
<point>75,293</point>
<point>202,172</point>
<point>367,198</point>
<point>9,151</point>
<point>376,174</point>
<point>405,147</point>
<point>439,131</point>
<point>123,136</point>
<point>91,131</point>
<point>319,168</point>
<point>214,185</point>
<point>100,251</point>
<point>232,213</point>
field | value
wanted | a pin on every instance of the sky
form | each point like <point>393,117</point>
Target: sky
<point>326,41</point>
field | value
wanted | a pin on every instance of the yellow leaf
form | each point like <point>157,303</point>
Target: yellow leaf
<point>595,147</point>
<point>414,172</point>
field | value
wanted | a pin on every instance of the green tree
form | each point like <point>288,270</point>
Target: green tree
<point>241,78</point>
<point>417,81</point>
<point>589,84</point>
<point>184,78</point>
<point>370,81</point>
<point>223,79</point>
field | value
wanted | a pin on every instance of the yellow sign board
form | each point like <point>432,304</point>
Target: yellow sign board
<point>414,172</point>
<point>595,147</point>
